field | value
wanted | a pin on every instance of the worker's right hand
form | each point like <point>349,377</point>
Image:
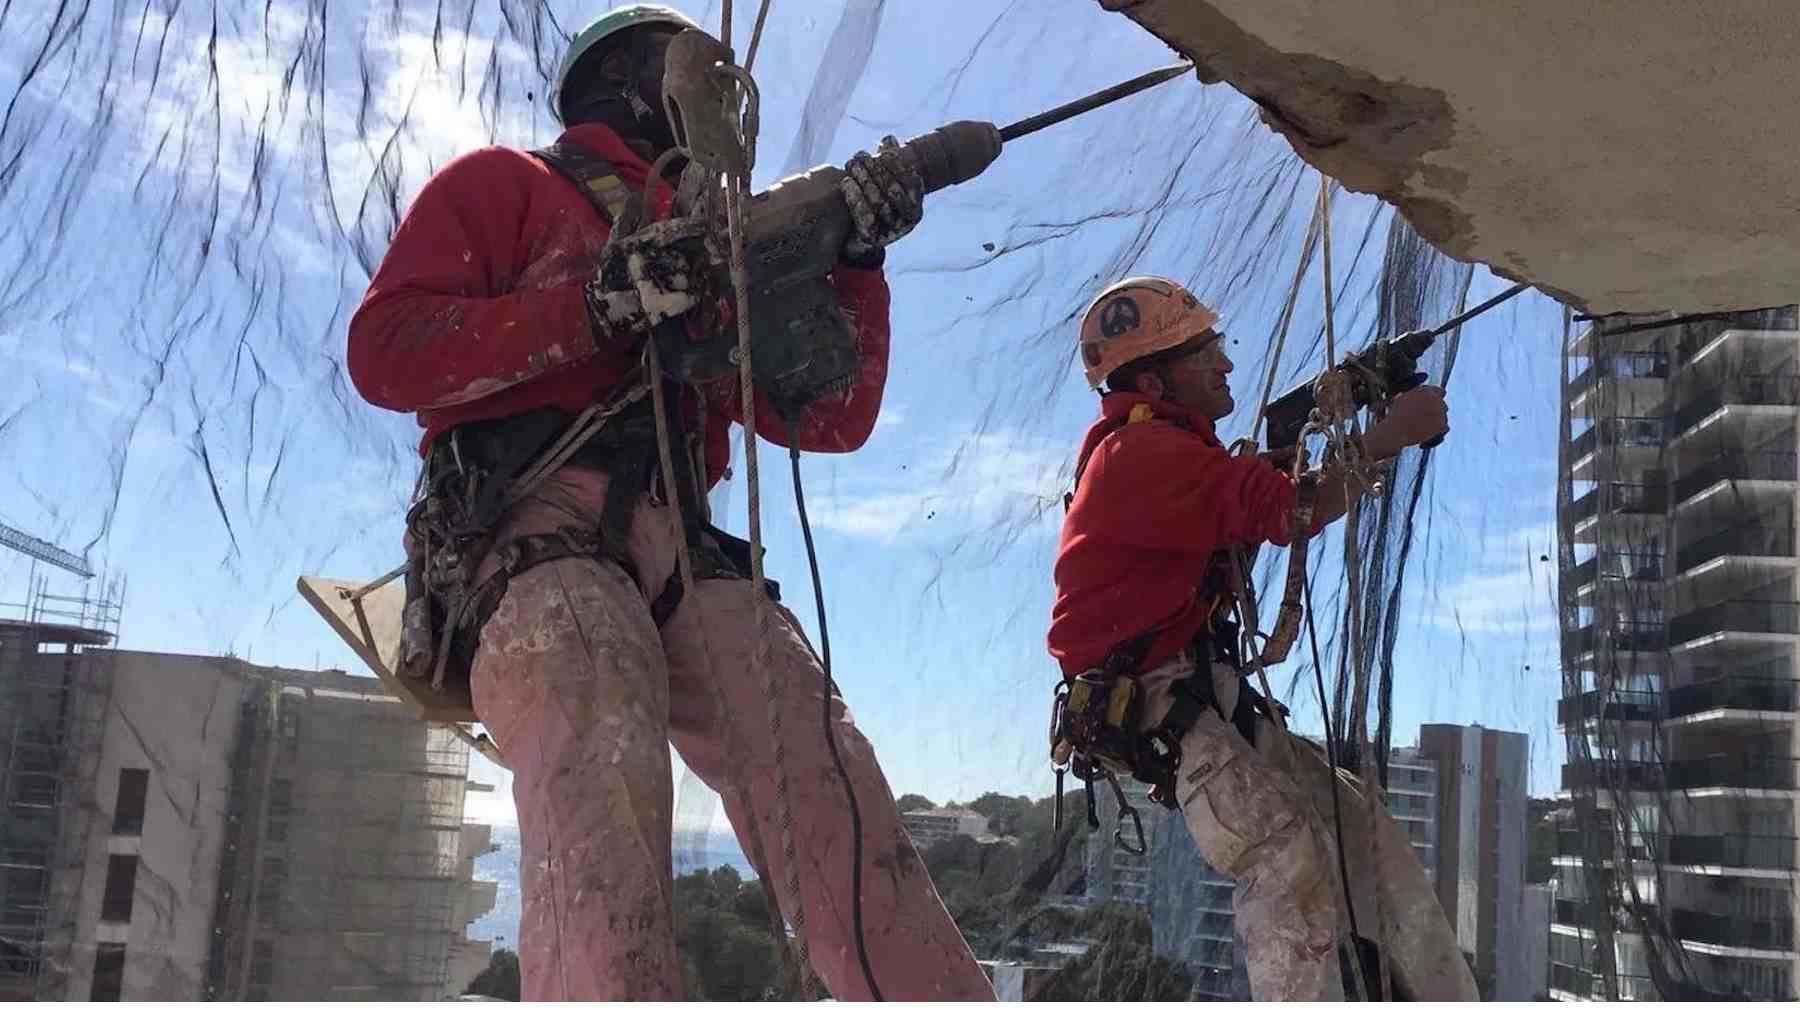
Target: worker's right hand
<point>1414,417</point>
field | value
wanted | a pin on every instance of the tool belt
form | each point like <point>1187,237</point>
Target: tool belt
<point>453,528</point>
<point>1096,724</point>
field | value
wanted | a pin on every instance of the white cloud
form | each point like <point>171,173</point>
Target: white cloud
<point>1509,587</point>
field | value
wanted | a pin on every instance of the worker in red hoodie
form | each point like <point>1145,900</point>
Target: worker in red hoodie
<point>1141,629</point>
<point>493,318</point>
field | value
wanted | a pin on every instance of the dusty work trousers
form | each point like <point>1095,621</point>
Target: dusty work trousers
<point>1246,807</point>
<point>584,695</point>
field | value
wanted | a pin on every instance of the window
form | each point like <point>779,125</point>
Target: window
<point>262,970</point>
<point>281,808</point>
<point>128,810</point>
<point>274,879</point>
<point>121,885</point>
<point>109,973</point>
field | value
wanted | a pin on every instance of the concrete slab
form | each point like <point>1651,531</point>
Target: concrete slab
<point>1626,156</point>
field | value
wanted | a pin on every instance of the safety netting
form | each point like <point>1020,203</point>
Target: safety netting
<point>195,196</point>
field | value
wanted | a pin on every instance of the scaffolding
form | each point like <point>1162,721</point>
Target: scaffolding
<point>53,700</point>
<point>344,851</point>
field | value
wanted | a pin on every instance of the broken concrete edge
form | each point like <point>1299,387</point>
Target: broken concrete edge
<point>1333,117</point>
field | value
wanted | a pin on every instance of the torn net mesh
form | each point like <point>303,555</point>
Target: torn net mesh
<point>196,193</point>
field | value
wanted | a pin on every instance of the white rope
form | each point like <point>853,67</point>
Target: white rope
<point>1287,319</point>
<point>1248,609</point>
<point>736,187</point>
<point>1345,450</point>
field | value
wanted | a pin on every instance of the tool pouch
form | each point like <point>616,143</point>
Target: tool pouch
<point>1094,724</point>
<point>444,544</point>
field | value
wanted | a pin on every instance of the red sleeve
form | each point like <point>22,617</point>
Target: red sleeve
<point>836,423</point>
<point>441,324</point>
<point>1157,487</point>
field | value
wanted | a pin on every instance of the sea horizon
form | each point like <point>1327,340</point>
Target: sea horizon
<point>693,850</point>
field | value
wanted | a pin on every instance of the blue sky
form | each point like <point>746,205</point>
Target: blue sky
<point>936,538</point>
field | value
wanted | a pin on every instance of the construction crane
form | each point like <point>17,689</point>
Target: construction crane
<point>39,549</point>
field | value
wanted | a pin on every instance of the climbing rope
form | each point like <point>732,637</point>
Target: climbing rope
<point>1346,448</point>
<point>748,122</point>
<point>736,195</point>
<point>1332,406</point>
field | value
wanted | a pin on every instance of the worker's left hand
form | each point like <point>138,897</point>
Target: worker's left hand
<point>665,261</point>
<point>886,196</point>
<point>1413,418</point>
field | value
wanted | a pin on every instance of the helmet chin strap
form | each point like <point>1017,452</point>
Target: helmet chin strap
<point>640,109</point>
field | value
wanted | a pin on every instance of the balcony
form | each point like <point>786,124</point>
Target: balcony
<point>1583,574</point>
<point>1732,930</point>
<point>1759,771</point>
<point>1604,846</point>
<point>1731,851</point>
<point>1614,565</point>
<point>1722,850</point>
<point>1608,705</point>
<point>1612,775</point>
<point>1733,692</point>
<point>1778,617</point>
<point>1640,432</point>
<point>1642,636</point>
<point>1584,984</point>
<point>1622,366</point>
<point>1578,913</point>
<point>1743,540</point>
<point>1624,636</point>
<point>1623,498</point>
<point>1738,466</point>
<point>1748,389</point>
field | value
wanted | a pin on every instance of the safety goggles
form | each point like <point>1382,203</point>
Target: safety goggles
<point>1199,344</point>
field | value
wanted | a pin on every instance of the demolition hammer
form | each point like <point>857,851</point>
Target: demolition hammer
<point>794,231</point>
<point>1388,367</point>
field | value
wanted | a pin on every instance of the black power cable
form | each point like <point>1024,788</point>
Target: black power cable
<point>1332,747</point>
<point>856,861</point>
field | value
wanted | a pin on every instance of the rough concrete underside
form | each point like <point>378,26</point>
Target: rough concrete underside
<point>1627,155</point>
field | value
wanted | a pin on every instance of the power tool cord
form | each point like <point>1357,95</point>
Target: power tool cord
<point>837,759</point>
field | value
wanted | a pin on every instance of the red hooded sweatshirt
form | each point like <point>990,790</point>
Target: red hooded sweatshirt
<point>1157,499</point>
<point>477,311</point>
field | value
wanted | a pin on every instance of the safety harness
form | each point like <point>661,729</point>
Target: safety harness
<point>1097,715</point>
<point>470,471</point>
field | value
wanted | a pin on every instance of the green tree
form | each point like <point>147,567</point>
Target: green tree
<point>1003,896</point>
<point>913,803</point>
<point>500,979</point>
<point>1005,813</point>
<point>722,934</point>
<point>1540,846</point>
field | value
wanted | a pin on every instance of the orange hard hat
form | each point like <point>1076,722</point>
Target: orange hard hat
<point>1138,317</point>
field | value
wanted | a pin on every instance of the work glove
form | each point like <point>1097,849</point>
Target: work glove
<point>649,276</point>
<point>886,196</point>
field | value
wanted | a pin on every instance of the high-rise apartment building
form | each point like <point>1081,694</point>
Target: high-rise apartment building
<point>1681,616</point>
<point>1482,777</point>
